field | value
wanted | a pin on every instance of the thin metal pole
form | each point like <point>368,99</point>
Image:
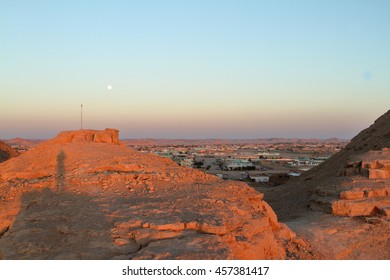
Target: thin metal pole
<point>81,117</point>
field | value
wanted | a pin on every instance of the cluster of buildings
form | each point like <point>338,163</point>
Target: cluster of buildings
<point>307,161</point>
<point>258,163</point>
<point>237,164</point>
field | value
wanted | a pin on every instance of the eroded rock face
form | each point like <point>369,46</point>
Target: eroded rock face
<point>369,192</point>
<point>109,135</point>
<point>363,201</point>
<point>378,169</point>
<point>79,196</point>
<point>372,164</point>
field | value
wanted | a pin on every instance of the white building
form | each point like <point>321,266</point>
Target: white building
<point>239,164</point>
<point>222,176</point>
<point>294,174</point>
<point>259,178</point>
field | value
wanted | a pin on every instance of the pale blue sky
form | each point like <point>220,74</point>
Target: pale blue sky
<point>194,69</point>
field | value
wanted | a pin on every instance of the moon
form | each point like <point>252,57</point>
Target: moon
<point>109,87</point>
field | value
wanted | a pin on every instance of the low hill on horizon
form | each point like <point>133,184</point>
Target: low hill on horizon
<point>7,152</point>
<point>24,142</point>
<point>157,142</point>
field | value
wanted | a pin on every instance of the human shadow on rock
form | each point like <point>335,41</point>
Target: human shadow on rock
<point>60,225</point>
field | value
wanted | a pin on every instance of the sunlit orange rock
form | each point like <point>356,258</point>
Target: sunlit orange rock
<point>85,195</point>
<point>108,135</point>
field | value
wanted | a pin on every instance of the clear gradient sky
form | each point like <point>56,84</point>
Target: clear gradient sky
<point>194,69</point>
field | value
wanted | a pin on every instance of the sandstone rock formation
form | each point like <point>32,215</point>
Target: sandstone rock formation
<point>7,152</point>
<point>85,195</point>
<point>109,135</point>
<point>353,183</point>
<point>364,168</point>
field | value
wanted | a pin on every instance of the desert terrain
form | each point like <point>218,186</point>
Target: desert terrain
<point>86,195</point>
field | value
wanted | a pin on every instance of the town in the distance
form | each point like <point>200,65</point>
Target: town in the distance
<point>259,162</point>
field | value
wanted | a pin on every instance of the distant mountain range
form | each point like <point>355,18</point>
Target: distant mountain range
<point>150,141</point>
<point>21,142</point>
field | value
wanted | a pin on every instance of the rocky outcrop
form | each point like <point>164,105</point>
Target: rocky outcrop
<point>342,205</point>
<point>377,169</point>
<point>83,196</point>
<point>7,152</point>
<point>363,163</point>
<point>372,164</point>
<point>366,189</point>
<point>362,202</point>
<point>109,135</point>
<point>369,192</point>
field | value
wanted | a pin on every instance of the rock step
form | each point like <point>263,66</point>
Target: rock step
<point>361,207</point>
<point>361,193</point>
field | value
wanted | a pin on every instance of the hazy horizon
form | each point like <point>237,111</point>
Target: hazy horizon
<point>195,139</point>
<point>194,69</point>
